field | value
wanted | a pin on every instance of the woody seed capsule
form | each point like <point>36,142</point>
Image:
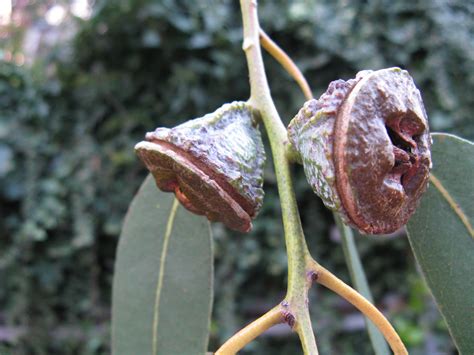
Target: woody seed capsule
<point>213,164</point>
<point>365,147</point>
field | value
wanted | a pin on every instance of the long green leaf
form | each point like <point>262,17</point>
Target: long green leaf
<point>441,236</point>
<point>162,290</point>
<point>359,280</point>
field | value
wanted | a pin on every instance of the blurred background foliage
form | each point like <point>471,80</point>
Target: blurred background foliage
<point>76,98</point>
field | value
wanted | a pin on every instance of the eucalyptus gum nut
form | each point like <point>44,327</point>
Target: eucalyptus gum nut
<point>214,164</point>
<point>374,156</point>
<point>311,134</point>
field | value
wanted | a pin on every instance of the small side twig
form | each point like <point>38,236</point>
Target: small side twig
<point>251,331</point>
<point>332,282</point>
<point>286,62</point>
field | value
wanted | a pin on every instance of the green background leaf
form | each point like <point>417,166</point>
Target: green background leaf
<point>442,243</point>
<point>162,290</point>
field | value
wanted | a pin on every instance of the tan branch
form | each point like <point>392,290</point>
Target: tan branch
<point>251,331</point>
<point>332,282</point>
<point>286,62</point>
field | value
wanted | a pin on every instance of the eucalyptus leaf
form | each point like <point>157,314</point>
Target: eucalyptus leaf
<point>162,290</point>
<point>441,236</point>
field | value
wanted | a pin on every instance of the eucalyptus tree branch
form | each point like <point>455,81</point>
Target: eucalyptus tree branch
<point>297,250</point>
<point>294,309</point>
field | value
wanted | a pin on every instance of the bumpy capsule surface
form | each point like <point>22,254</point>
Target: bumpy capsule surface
<point>213,164</point>
<point>365,147</point>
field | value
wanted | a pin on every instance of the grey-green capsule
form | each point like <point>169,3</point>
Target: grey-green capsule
<point>214,164</point>
<point>365,147</point>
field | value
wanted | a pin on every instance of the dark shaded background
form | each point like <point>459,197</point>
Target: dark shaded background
<point>72,110</point>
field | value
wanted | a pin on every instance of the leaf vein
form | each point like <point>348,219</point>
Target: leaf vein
<point>455,206</point>
<point>159,286</point>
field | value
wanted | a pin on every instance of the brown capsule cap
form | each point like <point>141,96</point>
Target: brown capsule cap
<point>381,151</point>
<point>197,187</point>
<point>213,164</point>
